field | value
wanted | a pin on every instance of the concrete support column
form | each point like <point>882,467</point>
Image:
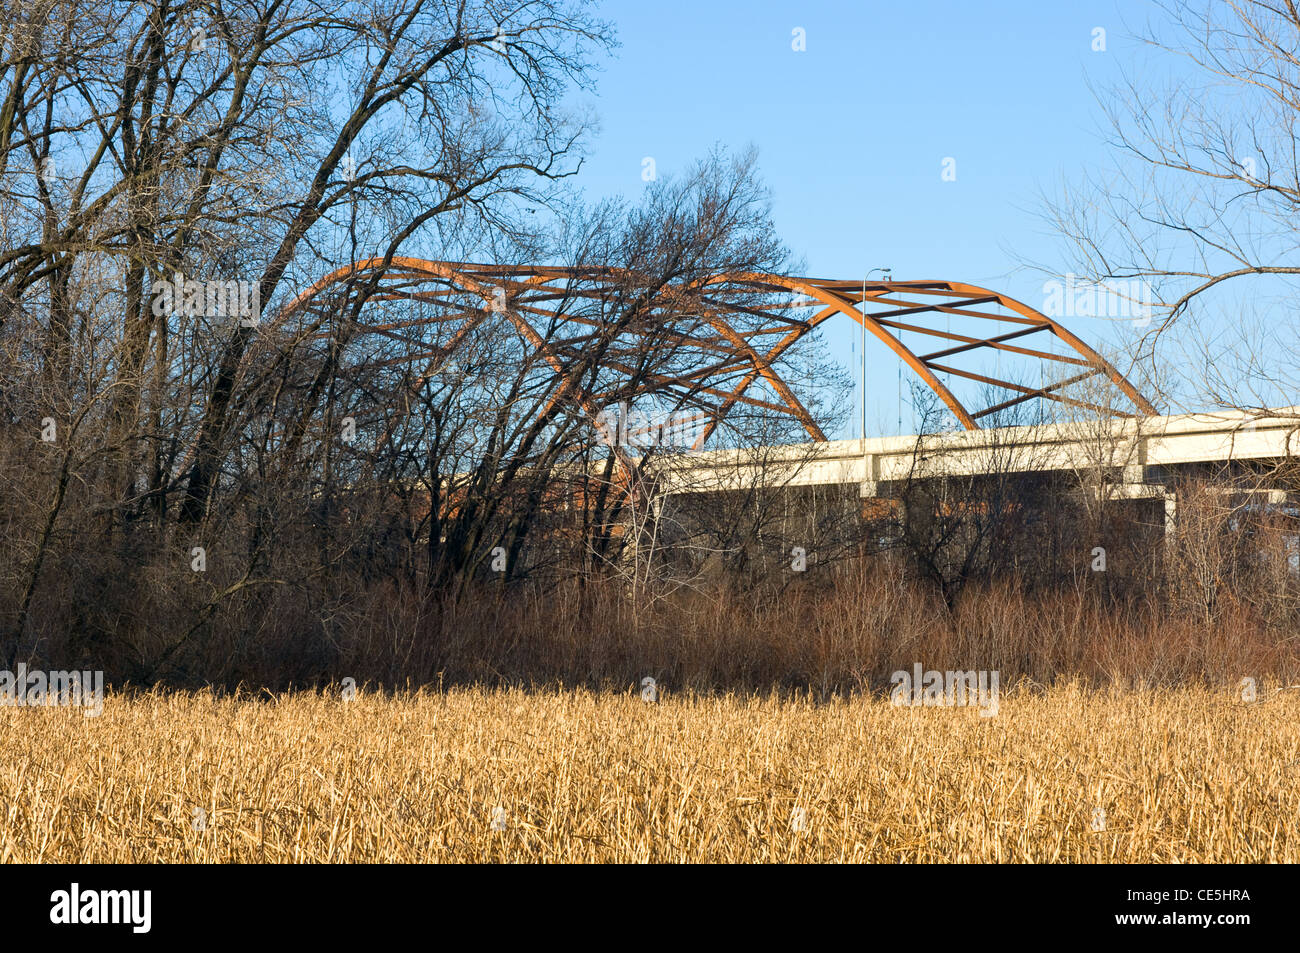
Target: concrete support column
<point>869,486</point>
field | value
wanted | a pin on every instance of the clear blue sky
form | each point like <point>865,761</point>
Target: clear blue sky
<point>852,131</point>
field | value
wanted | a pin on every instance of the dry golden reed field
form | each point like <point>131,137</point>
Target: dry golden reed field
<point>1058,775</point>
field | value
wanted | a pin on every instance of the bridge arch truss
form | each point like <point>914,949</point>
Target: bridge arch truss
<point>739,326</point>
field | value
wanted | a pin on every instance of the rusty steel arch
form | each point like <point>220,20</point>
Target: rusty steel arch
<point>751,320</point>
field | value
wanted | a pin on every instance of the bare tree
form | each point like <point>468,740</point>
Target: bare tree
<point>975,513</point>
<point>1199,213</point>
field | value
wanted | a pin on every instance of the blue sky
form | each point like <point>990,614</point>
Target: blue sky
<point>852,132</point>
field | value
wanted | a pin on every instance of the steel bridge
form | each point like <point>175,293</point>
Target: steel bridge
<point>737,327</point>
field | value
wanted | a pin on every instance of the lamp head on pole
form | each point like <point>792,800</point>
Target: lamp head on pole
<point>884,274</point>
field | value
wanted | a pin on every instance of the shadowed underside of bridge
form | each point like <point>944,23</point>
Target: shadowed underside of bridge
<point>737,329</point>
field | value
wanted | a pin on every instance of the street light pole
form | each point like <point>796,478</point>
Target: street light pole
<point>885,272</point>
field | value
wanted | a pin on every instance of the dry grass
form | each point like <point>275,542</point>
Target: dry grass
<point>842,633</point>
<point>1183,775</point>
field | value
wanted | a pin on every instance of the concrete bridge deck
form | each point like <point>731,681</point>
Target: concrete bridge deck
<point>1143,457</point>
